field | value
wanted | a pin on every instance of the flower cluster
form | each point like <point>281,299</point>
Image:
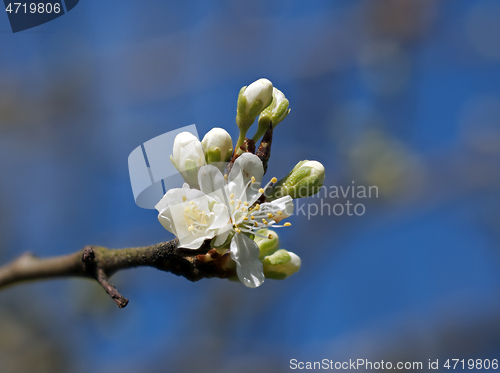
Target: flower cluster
<point>222,199</point>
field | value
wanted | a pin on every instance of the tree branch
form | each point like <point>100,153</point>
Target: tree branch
<point>100,263</point>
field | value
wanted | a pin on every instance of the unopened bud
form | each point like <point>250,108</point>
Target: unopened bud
<point>274,113</point>
<point>251,101</point>
<point>268,242</point>
<point>218,147</point>
<point>304,180</point>
<point>281,264</point>
<point>187,157</point>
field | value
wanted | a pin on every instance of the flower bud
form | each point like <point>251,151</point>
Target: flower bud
<point>281,264</point>
<point>251,101</point>
<point>304,180</point>
<point>268,243</point>
<point>187,157</point>
<point>218,147</point>
<point>274,113</point>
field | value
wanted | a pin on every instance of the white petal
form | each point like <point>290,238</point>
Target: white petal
<point>193,242</point>
<point>222,220</point>
<point>212,182</point>
<point>283,204</point>
<point>173,196</point>
<point>245,252</point>
<point>248,165</point>
<point>221,238</point>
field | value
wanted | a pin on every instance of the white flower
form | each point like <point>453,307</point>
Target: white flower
<point>226,210</point>
<point>239,195</point>
<point>186,213</point>
<point>218,147</point>
<point>259,93</point>
<point>188,156</point>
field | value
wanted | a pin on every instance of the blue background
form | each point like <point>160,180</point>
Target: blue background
<point>404,95</point>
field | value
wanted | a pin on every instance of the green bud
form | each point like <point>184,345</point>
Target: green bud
<point>251,101</point>
<point>304,180</point>
<point>274,113</point>
<point>268,244</point>
<point>281,264</point>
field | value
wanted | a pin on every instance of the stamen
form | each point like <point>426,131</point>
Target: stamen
<point>225,177</point>
<point>245,203</point>
<point>269,215</point>
<point>184,198</point>
<point>191,228</point>
<point>287,224</point>
<point>261,190</point>
<point>231,196</point>
<point>255,223</point>
<point>253,179</point>
<point>252,217</point>
<point>280,212</point>
<point>274,180</point>
<point>245,218</point>
<point>238,230</point>
<point>270,237</point>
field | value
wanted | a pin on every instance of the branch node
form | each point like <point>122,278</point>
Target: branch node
<point>88,255</point>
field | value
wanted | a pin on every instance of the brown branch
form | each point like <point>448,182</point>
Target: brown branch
<point>100,263</point>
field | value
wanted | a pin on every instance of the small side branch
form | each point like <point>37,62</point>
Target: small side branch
<point>119,299</point>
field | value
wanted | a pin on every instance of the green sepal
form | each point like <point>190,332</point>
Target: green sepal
<point>214,155</point>
<point>279,257</point>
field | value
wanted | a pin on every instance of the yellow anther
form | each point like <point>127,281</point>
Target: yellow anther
<point>231,196</point>
<point>255,223</point>
<point>244,209</point>
<point>269,215</point>
<point>257,207</point>
<point>287,224</point>
<point>184,198</point>
<point>270,237</point>
<point>280,212</point>
<point>225,177</point>
<point>191,202</point>
<point>264,221</point>
<point>245,218</point>
<point>245,203</point>
<point>261,190</point>
<point>274,180</point>
<point>253,179</point>
<point>190,228</point>
<point>237,230</point>
<point>252,217</point>
<point>232,202</point>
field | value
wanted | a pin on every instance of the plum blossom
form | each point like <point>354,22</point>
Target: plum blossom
<point>225,209</point>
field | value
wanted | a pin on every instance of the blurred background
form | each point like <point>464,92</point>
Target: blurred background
<point>400,94</point>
